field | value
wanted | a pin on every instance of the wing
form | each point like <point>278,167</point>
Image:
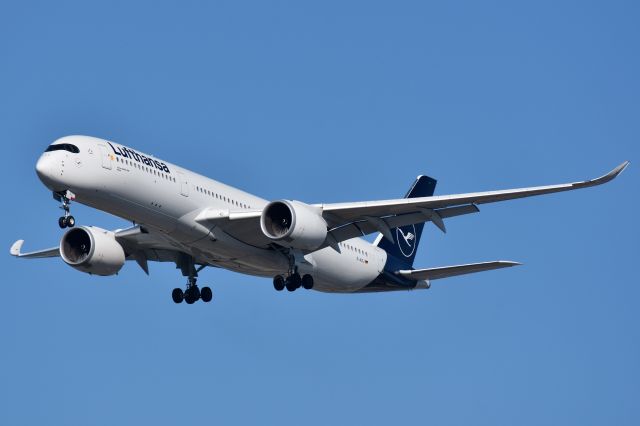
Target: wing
<point>342,213</point>
<point>452,271</point>
<point>16,250</point>
<point>142,245</point>
<point>138,243</point>
<point>349,220</point>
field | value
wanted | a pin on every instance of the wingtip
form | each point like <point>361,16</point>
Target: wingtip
<point>625,165</point>
<point>16,247</point>
<point>609,176</point>
<point>509,263</point>
<point>615,172</point>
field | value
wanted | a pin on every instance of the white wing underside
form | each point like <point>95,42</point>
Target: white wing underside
<point>139,245</point>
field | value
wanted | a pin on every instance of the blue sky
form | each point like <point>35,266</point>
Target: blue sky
<point>327,102</point>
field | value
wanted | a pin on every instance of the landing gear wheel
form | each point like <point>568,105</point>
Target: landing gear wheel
<point>307,282</point>
<point>278,282</point>
<point>177,295</point>
<point>62,222</point>
<point>206,294</point>
<point>70,221</point>
<point>290,285</point>
<point>190,297</point>
<point>296,280</point>
<point>292,282</point>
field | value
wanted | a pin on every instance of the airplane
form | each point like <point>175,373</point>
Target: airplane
<point>195,222</point>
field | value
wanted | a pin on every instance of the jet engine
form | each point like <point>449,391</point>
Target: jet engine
<point>92,250</point>
<point>294,224</point>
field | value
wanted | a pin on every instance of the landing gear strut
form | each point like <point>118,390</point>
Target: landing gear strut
<point>192,293</point>
<point>66,221</point>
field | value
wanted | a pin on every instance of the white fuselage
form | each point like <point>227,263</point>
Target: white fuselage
<point>167,198</point>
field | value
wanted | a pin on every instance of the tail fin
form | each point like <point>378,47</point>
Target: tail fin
<point>407,238</point>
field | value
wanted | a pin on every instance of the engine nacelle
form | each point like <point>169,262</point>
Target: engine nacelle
<point>294,224</point>
<point>92,250</point>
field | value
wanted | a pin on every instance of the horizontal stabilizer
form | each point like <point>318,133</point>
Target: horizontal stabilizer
<point>452,271</point>
<point>17,247</point>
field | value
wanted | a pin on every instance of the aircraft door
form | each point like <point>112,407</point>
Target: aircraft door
<point>105,156</point>
<point>184,184</point>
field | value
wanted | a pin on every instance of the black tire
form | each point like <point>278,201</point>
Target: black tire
<point>206,294</point>
<point>296,280</point>
<point>177,295</point>
<point>278,282</point>
<point>290,285</point>
<point>62,222</point>
<point>192,295</point>
<point>307,282</point>
<point>70,221</point>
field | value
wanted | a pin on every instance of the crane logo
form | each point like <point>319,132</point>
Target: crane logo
<point>406,237</point>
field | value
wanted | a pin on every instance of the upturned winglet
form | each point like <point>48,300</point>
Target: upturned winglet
<point>16,247</point>
<point>609,176</point>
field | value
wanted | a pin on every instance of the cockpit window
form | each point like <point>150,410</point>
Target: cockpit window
<point>63,146</point>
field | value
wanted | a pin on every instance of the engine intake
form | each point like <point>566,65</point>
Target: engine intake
<point>92,250</point>
<point>294,224</point>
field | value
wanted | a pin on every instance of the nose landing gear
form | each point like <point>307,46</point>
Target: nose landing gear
<point>66,221</point>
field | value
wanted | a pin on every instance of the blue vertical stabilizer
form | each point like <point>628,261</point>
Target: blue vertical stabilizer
<point>403,249</point>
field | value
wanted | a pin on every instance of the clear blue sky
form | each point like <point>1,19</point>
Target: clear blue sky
<point>337,101</point>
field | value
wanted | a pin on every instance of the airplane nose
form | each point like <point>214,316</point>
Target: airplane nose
<point>43,168</point>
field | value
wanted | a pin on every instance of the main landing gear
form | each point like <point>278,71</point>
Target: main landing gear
<point>293,282</point>
<point>66,221</point>
<point>192,293</point>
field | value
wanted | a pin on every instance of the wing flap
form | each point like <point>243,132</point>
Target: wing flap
<point>363,227</point>
<point>452,271</point>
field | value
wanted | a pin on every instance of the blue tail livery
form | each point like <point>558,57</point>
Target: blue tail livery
<point>407,238</point>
